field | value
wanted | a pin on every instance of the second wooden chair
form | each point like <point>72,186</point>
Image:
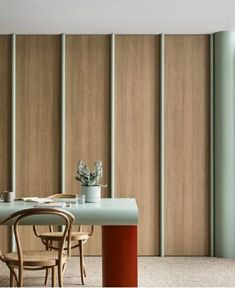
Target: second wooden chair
<point>79,237</point>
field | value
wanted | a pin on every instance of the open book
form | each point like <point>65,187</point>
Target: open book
<point>34,199</point>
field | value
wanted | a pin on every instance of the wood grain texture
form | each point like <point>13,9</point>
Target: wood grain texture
<point>5,127</point>
<point>187,124</point>
<point>138,131</point>
<point>87,112</point>
<point>38,111</point>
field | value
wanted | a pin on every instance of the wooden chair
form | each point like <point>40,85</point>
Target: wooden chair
<point>39,259</point>
<point>79,237</point>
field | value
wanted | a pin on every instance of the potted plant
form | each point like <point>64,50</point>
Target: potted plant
<point>90,180</point>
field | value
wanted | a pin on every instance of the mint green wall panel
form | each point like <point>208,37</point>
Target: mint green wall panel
<point>224,143</point>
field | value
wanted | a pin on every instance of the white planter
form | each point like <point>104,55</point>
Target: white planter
<point>92,193</point>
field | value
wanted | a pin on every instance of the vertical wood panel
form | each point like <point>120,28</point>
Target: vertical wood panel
<point>137,128</point>
<point>5,127</point>
<point>137,132</point>
<point>87,112</point>
<point>187,174</point>
<point>38,66</point>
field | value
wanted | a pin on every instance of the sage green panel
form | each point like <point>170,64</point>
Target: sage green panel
<point>224,143</point>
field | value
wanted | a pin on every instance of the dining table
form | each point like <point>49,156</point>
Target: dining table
<point>119,220</point>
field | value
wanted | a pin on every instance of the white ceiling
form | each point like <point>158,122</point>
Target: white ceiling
<point>116,16</point>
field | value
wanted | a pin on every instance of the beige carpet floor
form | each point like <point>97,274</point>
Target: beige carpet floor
<point>153,272</point>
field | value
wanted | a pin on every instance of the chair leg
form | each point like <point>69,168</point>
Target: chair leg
<point>64,266</point>
<point>84,270</point>
<point>47,270</point>
<point>81,262</point>
<point>11,279</point>
<point>63,269</point>
<point>20,277</point>
<point>53,277</point>
<point>60,275</point>
<point>46,276</point>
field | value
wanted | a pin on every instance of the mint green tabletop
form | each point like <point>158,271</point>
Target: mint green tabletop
<point>117,211</point>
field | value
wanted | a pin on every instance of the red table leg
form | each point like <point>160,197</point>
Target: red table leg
<point>119,256</point>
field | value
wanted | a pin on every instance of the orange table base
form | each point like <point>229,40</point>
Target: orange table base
<point>119,256</point>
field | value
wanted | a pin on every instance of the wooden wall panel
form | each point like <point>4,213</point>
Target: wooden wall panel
<point>38,111</point>
<point>5,127</point>
<point>187,133</point>
<point>87,112</point>
<point>38,142</point>
<point>137,132</point>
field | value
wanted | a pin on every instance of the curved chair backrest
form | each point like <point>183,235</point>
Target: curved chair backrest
<point>66,218</point>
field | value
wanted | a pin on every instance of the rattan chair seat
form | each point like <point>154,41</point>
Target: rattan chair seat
<point>35,258</point>
<point>75,236</point>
